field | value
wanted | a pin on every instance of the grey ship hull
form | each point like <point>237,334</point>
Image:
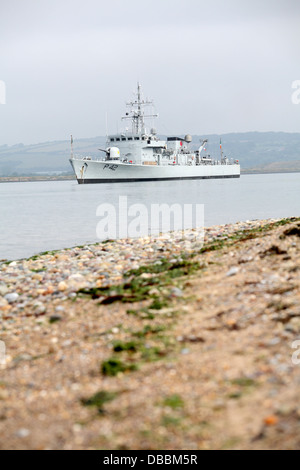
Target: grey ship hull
<point>96,171</point>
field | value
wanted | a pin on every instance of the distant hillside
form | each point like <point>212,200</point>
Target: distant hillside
<point>257,149</point>
<point>276,167</point>
<point>45,158</point>
<point>253,149</point>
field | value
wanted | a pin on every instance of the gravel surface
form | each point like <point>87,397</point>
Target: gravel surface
<point>191,351</point>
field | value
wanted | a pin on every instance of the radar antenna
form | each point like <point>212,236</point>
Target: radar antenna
<point>137,114</point>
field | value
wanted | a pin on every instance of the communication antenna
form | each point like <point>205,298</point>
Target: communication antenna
<point>106,125</point>
<point>221,150</point>
<point>72,154</point>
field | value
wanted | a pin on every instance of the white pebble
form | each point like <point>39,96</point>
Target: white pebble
<point>11,298</point>
<point>23,433</point>
<point>233,271</point>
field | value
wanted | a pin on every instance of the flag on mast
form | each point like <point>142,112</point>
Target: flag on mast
<point>220,144</point>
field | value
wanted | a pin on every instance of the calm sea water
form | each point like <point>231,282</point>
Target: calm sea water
<point>41,216</point>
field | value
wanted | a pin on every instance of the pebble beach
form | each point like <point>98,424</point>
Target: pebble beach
<point>178,341</point>
<point>55,276</point>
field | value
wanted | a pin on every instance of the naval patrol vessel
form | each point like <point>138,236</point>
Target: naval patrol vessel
<point>140,155</point>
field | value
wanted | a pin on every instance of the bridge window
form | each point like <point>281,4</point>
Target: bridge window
<point>136,138</point>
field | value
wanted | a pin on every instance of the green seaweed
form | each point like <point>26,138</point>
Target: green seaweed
<point>244,382</point>
<point>174,401</point>
<point>114,366</point>
<point>138,288</point>
<point>98,400</point>
<point>243,235</point>
<point>152,353</point>
<point>149,330</point>
<point>158,304</point>
<point>131,346</point>
<point>171,421</point>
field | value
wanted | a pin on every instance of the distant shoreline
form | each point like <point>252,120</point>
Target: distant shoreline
<point>266,172</point>
<point>24,179</point>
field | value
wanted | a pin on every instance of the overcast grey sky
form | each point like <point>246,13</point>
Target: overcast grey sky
<point>210,66</point>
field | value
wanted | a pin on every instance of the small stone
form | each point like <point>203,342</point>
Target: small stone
<point>271,420</point>
<point>77,428</point>
<point>185,351</point>
<point>40,291</point>
<point>4,394</point>
<point>11,298</point>
<point>37,276</point>
<point>76,277</point>
<point>274,341</point>
<point>39,308</point>
<point>146,276</point>
<point>289,328</point>
<point>154,291</point>
<point>3,303</point>
<point>55,318</point>
<point>219,404</point>
<point>49,290</point>
<point>195,339</point>
<point>59,308</point>
<point>233,271</point>
<point>62,286</point>
<point>285,410</point>
<point>23,357</point>
<point>176,292</point>
<point>22,433</point>
<point>3,290</point>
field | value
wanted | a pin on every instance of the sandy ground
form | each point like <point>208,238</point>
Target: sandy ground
<point>192,352</point>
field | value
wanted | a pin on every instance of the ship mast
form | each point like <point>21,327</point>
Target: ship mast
<point>137,114</point>
<point>221,151</point>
